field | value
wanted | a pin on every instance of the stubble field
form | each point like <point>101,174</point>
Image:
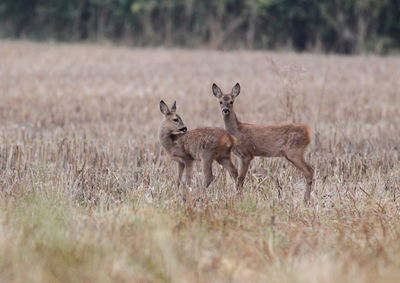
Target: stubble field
<point>87,194</point>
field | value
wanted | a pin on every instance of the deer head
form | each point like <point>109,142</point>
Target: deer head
<point>172,121</point>
<point>226,100</point>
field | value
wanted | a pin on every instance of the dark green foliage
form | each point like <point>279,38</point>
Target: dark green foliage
<point>344,26</point>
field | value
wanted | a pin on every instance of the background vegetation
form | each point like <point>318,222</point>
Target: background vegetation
<point>87,195</point>
<point>344,26</point>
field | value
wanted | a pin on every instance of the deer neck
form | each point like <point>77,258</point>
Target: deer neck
<point>232,124</point>
<point>167,140</point>
<point>171,143</point>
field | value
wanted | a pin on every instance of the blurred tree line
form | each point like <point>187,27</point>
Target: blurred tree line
<point>344,26</point>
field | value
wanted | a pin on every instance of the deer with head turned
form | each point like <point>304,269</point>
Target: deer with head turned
<point>203,144</point>
<point>289,141</point>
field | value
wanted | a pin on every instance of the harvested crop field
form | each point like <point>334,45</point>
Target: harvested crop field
<point>88,195</point>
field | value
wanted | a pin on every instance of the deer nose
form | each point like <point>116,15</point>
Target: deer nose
<point>184,129</point>
<point>225,110</point>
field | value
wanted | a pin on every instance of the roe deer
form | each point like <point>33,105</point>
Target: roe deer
<point>204,144</point>
<point>289,141</point>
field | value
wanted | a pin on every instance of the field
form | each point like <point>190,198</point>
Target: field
<point>88,195</point>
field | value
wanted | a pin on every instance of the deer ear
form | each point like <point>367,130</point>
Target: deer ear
<point>164,108</point>
<point>173,108</point>
<point>236,90</point>
<point>216,91</point>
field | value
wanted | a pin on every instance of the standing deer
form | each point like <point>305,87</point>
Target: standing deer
<point>289,141</point>
<point>204,144</point>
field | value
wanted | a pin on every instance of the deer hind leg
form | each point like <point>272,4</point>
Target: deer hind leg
<point>243,167</point>
<point>297,159</point>
<point>207,171</point>
<point>226,162</point>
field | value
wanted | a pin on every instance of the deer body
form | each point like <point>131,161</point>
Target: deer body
<point>202,144</point>
<point>267,141</point>
<point>289,141</point>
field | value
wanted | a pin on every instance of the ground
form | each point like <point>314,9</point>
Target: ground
<point>88,195</point>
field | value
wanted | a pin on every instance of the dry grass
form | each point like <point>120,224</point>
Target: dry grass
<point>87,195</point>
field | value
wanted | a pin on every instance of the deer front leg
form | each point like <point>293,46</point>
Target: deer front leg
<point>189,169</point>
<point>181,167</point>
<point>226,162</point>
<point>188,165</point>
<point>243,167</point>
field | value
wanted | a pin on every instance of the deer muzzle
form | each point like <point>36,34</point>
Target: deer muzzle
<point>225,111</point>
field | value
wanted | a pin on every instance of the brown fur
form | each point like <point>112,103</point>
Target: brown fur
<point>202,144</point>
<point>289,141</point>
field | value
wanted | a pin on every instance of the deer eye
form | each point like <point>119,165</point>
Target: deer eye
<point>220,102</point>
<point>231,102</point>
<point>175,120</point>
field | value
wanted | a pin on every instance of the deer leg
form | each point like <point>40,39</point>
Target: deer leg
<point>189,169</point>
<point>244,166</point>
<point>207,171</point>
<point>226,162</point>
<point>297,159</point>
<point>181,167</point>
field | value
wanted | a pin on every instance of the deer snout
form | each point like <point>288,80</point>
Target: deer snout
<point>183,129</point>
<point>225,111</point>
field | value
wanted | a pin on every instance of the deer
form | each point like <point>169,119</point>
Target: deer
<point>201,144</point>
<point>289,141</point>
